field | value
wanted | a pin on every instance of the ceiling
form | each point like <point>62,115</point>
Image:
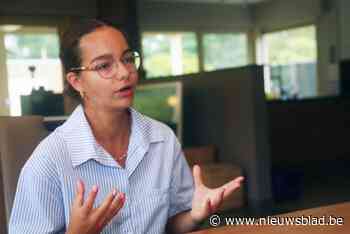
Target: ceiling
<point>212,1</point>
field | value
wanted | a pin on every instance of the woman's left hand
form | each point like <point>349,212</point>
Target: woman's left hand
<point>207,201</point>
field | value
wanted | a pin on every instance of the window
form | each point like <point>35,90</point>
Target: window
<point>161,101</point>
<point>167,54</point>
<point>290,56</point>
<point>224,50</point>
<point>32,61</point>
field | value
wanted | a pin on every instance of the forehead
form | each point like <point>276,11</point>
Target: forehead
<point>105,40</point>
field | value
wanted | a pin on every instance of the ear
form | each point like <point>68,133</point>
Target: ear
<point>74,80</point>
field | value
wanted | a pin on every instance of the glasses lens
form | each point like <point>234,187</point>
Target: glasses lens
<point>132,60</point>
<point>105,67</point>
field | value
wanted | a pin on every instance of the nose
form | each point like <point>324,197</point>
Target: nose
<point>122,72</point>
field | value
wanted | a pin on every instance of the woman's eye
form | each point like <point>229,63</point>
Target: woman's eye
<point>103,66</point>
<point>129,59</point>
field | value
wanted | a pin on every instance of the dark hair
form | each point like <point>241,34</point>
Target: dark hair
<point>70,53</point>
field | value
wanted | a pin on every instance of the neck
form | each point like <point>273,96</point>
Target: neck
<point>110,127</point>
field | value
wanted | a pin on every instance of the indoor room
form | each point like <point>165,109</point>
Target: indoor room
<point>248,88</point>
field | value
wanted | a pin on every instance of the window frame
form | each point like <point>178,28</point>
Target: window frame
<point>250,49</point>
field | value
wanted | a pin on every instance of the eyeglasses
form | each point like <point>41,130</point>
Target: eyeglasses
<point>107,66</point>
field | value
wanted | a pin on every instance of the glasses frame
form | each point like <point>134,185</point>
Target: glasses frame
<point>135,54</point>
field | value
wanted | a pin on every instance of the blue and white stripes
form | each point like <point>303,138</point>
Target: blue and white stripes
<point>156,179</point>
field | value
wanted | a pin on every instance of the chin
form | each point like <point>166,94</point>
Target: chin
<point>122,105</point>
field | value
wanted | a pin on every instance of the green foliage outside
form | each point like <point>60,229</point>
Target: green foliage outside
<point>292,46</point>
<point>31,46</point>
<point>153,102</point>
<point>292,55</point>
<point>224,51</point>
<point>157,54</point>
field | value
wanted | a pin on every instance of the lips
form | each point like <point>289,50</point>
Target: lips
<point>127,87</point>
<point>125,91</point>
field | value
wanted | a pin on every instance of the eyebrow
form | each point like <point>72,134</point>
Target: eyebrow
<point>108,56</point>
<point>104,56</point>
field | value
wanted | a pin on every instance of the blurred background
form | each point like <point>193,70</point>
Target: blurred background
<point>265,82</point>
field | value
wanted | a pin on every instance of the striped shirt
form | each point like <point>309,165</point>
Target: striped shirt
<point>156,179</point>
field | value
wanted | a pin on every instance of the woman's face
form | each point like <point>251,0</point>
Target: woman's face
<point>110,93</point>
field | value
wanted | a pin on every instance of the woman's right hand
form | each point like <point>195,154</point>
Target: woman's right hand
<point>85,219</point>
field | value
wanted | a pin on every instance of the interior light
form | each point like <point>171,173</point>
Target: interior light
<point>10,27</point>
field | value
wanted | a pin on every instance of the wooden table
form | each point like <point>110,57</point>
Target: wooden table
<point>339,210</point>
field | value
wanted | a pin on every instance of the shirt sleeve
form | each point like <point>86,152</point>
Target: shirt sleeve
<point>38,206</point>
<point>182,185</point>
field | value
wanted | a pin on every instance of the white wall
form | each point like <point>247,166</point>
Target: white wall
<point>280,14</point>
<point>187,16</point>
<point>328,40</point>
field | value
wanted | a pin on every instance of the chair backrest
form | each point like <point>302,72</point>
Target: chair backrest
<point>200,155</point>
<point>18,138</point>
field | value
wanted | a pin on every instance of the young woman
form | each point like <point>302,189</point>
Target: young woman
<point>108,168</point>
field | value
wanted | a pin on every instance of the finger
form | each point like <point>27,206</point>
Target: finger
<point>89,203</point>
<point>197,175</point>
<point>117,204</point>
<point>232,185</point>
<point>101,212</point>
<point>114,206</point>
<point>80,190</point>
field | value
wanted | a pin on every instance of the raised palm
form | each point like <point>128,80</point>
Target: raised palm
<point>208,200</point>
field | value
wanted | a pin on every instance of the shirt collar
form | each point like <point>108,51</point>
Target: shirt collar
<point>82,144</point>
